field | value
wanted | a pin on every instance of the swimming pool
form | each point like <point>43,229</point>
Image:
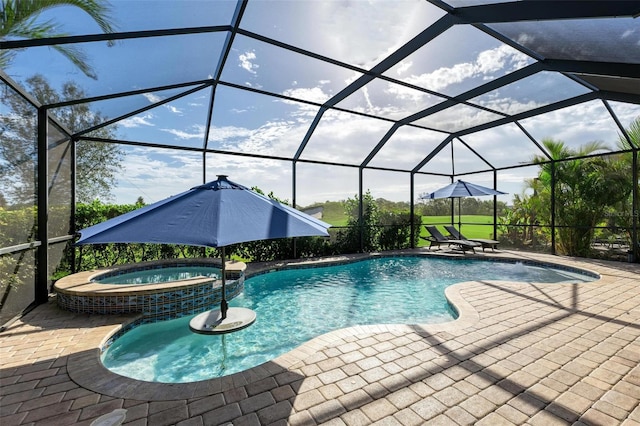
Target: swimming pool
<point>296,305</point>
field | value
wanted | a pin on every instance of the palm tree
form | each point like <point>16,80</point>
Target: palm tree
<point>19,19</point>
<point>625,212</point>
<point>583,191</point>
<point>634,135</point>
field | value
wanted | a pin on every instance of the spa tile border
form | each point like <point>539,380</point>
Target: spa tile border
<point>156,302</point>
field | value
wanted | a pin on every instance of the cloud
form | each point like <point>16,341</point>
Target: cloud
<point>340,137</point>
<point>525,39</point>
<point>365,91</point>
<point>406,95</point>
<point>152,97</point>
<point>343,137</point>
<point>404,67</point>
<point>353,77</point>
<point>502,58</point>
<point>246,62</point>
<point>379,29</point>
<point>509,105</point>
<point>173,109</point>
<point>197,134</point>
<point>155,174</point>
<point>627,113</point>
<point>486,65</point>
<point>224,133</point>
<point>407,147</point>
<point>457,118</point>
<point>254,85</point>
<point>137,121</point>
<point>279,137</point>
<point>576,125</point>
<point>313,94</point>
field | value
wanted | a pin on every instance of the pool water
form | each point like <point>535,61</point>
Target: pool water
<point>294,306</point>
<point>160,275</point>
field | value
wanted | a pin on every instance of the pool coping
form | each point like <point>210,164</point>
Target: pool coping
<point>86,369</point>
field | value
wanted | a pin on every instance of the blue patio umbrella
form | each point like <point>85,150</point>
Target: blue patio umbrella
<point>215,214</point>
<point>458,190</point>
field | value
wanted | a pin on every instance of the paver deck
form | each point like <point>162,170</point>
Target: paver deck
<point>520,353</point>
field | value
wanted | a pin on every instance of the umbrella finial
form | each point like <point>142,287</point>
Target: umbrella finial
<point>222,177</point>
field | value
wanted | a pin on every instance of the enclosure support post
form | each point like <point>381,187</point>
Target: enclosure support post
<point>453,176</point>
<point>635,243</point>
<point>495,205</point>
<point>42,271</point>
<point>553,207</point>
<point>360,210</point>
<point>412,207</point>
<point>293,198</point>
<point>204,180</point>
<point>72,225</point>
<point>204,167</point>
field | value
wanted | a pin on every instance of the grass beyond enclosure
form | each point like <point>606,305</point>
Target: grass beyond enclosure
<point>333,213</point>
<point>473,226</point>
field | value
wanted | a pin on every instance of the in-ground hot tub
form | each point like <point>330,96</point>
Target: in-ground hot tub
<point>156,301</point>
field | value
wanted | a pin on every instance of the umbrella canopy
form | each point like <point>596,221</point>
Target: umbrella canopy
<point>461,189</point>
<point>458,190</point>
<point>215,214</point>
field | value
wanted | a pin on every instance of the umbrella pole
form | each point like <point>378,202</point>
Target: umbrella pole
<point>223,303</point>
<point>459,218</point>
<point>215,321</point>
<point>223,365</point>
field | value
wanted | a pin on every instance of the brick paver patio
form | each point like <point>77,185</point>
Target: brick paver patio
<point>520,353</point>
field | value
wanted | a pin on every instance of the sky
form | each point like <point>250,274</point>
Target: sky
<point>357,33</point>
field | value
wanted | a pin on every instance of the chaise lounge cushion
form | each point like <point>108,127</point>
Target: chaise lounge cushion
<point>486,243</point>
<point>436,239</point>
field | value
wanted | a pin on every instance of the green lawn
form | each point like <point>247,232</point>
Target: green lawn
<point>473,226</point>
<point>333,213</point>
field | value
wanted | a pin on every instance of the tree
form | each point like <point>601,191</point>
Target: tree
<point>349,240</point>
<point>622,215</point>
<point>97,164</point>
<point>583,192</point>
<point>519,223</point>
<point>19,20</point>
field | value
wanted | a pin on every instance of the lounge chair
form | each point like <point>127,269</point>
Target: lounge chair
<point>436,239</point>
<point>486,243</point>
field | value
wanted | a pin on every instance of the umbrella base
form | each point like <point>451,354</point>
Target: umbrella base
<point>211,322</point>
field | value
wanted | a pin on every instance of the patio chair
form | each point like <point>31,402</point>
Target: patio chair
<point>436,239</point>
<point>486,243</point>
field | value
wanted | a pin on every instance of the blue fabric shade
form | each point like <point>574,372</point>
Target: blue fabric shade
<point>215,214</point>
<point>461,189</point>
